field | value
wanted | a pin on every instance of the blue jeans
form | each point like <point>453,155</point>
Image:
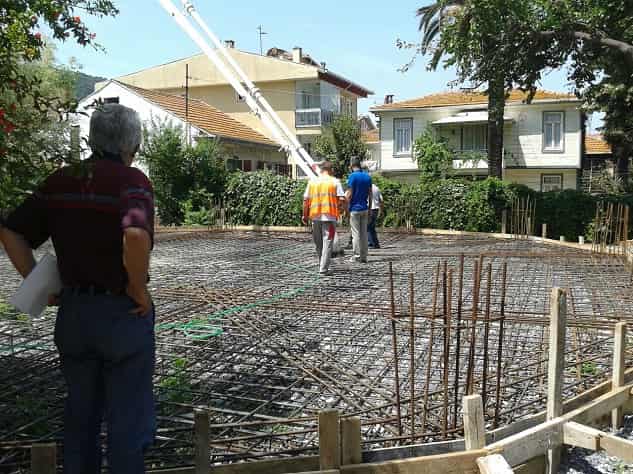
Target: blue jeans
<point>371,228</point>
<point>107,358</point>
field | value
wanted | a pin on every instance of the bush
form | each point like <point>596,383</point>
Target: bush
<point>182,175</point>
<point>477,206</point>
<point>433,155</point>
<point>339,143</point>
<point>568,212</point>
<point>485,201</point>
<point>262,198</point>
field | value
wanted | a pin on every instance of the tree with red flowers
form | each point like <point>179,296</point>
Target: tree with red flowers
<point>34,97</point>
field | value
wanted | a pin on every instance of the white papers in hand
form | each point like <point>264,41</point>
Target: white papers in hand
<point>32,296</point>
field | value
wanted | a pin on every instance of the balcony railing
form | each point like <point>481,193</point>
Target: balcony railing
<point>470,160</point>
<point>313,117</point>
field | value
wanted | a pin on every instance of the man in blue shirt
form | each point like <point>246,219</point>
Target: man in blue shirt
<point>359,198</point>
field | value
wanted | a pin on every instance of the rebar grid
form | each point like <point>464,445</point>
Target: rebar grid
<point>247,330</point>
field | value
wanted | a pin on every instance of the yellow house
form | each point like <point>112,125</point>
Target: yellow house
<point>305,94</point>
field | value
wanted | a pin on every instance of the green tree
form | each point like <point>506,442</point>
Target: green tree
<point>480,38</point>
<point>184,177</point>
<point>434,156</point>
<point>598,37</point>
<point>42,141</point>
<point>34,97</point>
<point>340,143</point>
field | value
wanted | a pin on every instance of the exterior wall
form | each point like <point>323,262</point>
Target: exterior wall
<point>523,140</point>
<point>421,119</point>
<point>280,95</point>
<point>373,153</point>
<point>254,154</point>
<point>203,73</point>
<point>403,176</point>
<point>523,137</point>
<point>532,177</point>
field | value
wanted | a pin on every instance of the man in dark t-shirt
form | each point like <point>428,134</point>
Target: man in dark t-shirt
<point>99,215</point>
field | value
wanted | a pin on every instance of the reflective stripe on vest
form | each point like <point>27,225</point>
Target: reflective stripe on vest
<point>323,198</point>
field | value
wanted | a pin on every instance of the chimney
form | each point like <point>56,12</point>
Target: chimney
<point>324,66</point>
<point>230,44</point>
<point>297,55</point>
<point>389,99</point>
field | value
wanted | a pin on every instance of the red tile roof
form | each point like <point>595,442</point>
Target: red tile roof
<point>596,145</point>
<point>444,99</point>
<point>203,116</point>
<point>371,136</point>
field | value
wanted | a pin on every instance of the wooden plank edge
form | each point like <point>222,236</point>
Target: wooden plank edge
<point>494,464</point>
<point>464,462</point>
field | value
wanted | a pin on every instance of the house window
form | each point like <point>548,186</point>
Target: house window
<point>403,132</point>
<point>475,138</point>
<point>551,182</point>
<point>233,164</point>
<point>553,127</point>
<point>111,100</point>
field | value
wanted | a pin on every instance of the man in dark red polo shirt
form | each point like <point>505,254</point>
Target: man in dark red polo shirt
<point>99,215</point>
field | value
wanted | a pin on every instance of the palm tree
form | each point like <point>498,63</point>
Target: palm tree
<point>432,18</point>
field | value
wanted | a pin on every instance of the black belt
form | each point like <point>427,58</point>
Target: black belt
<point>91,290</point>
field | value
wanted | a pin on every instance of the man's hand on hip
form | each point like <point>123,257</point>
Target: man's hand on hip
<point>141,297</point>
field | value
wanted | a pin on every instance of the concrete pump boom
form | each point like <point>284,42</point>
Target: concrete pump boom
<point>238,79</point>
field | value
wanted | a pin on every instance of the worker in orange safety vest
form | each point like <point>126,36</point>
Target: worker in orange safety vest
<point>322,201</point>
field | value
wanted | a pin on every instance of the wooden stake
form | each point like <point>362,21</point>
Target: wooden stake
<point>351,451</point>
<point>43,458</point>
<point>544,231</point>
<point>474,428</point>
<point>558,323</point>
<point>619,350</point>
<point>329,440</point>
<point>202,447</point>
<point>504,220</point>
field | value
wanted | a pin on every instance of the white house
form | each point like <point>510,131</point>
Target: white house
<point>543,140</point>
<point>246,148</point>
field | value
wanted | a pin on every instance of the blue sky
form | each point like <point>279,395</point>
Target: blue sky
<point>355,38</point>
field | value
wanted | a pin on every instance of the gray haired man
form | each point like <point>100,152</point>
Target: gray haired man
<point>100,217</point>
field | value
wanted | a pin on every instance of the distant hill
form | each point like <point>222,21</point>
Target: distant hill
<point>85,84</point>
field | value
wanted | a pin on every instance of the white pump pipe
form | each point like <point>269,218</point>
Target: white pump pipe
<point>255,91</point>
<point>252,95</point>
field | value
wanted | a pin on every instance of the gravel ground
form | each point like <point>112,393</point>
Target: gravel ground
<point>583,461</point>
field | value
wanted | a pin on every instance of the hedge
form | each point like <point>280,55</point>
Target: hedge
<point>262,198</point>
